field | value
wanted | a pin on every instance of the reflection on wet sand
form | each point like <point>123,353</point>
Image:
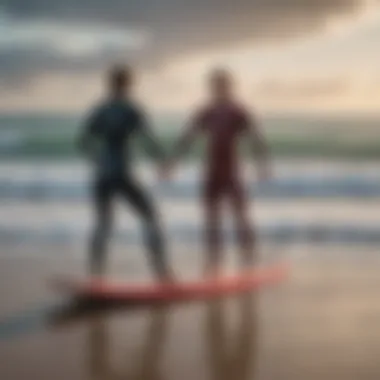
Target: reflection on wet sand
<point>322,324</point>
<point>229,351</point>
<point>145,366</point>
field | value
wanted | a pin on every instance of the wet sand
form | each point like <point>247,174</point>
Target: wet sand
<point>42,216</point>
<point>323,323</point>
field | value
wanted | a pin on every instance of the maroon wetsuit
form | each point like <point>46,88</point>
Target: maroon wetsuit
<point>223,125</point>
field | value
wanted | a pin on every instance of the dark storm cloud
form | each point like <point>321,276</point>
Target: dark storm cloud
<point>176,27</point>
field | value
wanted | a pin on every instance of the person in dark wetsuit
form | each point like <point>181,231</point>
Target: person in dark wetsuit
<point>224,121</point>
<point>107,137</point>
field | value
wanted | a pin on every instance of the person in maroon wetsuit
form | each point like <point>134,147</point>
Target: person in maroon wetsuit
<point>224,121</point>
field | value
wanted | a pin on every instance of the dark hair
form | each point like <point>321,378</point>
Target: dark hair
<point>120,76</point>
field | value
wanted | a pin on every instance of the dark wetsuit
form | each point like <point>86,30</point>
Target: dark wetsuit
<point>224,125</point>
<point>110,129</point>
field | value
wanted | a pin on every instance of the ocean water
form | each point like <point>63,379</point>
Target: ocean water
<point>325,189</point>
<point>54,135</point>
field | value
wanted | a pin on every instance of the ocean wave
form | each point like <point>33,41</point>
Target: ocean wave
<point>11,140</point>
<point>45,190</point>
<point>189,233</point>
<point>54,135</point>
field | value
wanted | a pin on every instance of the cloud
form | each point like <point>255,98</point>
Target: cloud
<point>65,38</point>
<point>74,36</point>
<point>304,89</point>
<point>179,25</point>
<point>29,47</point>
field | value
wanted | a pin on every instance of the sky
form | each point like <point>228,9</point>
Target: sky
<point>287,55</point>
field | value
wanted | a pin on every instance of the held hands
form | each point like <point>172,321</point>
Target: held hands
<point>165,171</point>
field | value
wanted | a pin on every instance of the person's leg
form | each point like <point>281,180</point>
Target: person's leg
<point>244,226</point>
<point>154,239</point>
<point>100,235</point>
<point>212,205</point>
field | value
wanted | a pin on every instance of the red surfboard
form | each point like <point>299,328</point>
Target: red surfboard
<point>111,290</point>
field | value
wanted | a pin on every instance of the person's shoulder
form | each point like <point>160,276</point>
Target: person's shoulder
<point>202,111</point>
<point>241,109</point>
<point>197,116</point>
<point>244,113</point>
<point>135,113</point>
<point>134,107</point>
<point>98,107</point>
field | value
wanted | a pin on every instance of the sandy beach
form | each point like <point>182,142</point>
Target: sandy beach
<point>321,323</point>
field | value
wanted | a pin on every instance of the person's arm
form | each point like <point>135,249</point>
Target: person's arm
<point>258,146</point>
<point>144,131</point>
<point>192,129</point>
<point>151,143</point>
<point>86,137</point>
<point>183,143</point>
<point>149,139</point>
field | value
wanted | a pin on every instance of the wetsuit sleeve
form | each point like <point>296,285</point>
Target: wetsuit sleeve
<point>90,129</point>
<point>250,125</point>
<point>150,141</point>
<point>192,129</point>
